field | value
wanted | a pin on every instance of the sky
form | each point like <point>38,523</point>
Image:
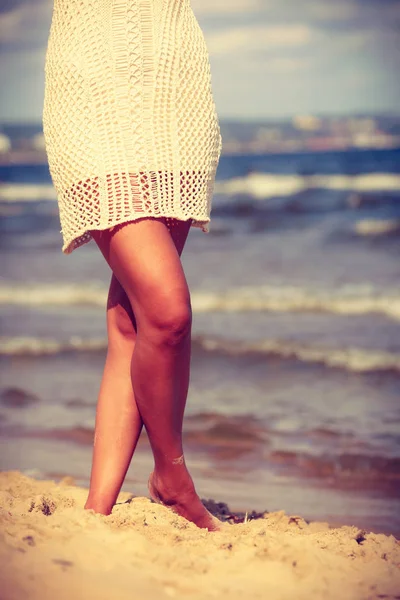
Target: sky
<point>269,59</point>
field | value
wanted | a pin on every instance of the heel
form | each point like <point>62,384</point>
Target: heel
<point>152,491</point>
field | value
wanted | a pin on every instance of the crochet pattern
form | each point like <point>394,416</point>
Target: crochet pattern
<point>129,119</point>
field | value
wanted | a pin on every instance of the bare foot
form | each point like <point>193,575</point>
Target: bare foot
<point>185,502</point>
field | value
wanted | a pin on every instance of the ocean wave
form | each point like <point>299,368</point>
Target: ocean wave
<point>350,470</point>
<point>27,192</point>
<point>55,294</point>
<point>33,346</point>
<point>376,227</point>
<point>350,358</point>
<point>346,300</point>
<point>256,184</point>
<point>267,185</point>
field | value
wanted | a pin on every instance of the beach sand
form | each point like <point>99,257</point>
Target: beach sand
<point>52,548</point>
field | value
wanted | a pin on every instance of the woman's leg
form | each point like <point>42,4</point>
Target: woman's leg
<point>145,260</point>
<point>118,421</point>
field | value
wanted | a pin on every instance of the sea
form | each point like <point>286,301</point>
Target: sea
<point>294,398</point>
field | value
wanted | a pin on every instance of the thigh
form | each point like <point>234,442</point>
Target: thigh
<point>144,258</point>
<point>179,231</point>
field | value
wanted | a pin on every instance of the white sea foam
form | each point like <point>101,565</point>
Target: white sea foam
<point>352,359</point>
<point>346,300</point>
<point>33,346</point>
<point>267,185</point>
<point>54,294</point>
<point>376,227</point>
<point>27,192</point>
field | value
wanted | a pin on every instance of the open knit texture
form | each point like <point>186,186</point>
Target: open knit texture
<point>129,120</point>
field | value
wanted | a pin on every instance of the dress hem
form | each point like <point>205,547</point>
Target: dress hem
<point>85,237</point>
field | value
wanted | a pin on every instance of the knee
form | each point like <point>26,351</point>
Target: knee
<point>171,325</point>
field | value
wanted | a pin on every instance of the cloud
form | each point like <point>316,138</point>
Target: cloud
<point>320,10</point>
<point>250,38</point>
<point>25,26</point>
<point>10,5</point>
<point>286,65</point>
<point>225,7</point>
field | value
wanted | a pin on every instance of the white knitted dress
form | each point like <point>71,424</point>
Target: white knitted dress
<point>129,119</point>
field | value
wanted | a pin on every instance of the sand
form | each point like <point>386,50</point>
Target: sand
<point>51,548</point>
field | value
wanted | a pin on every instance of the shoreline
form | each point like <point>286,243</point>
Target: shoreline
<point>51,547</point>
<point>242,488</point>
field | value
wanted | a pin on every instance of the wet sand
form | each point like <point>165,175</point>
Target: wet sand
<point>51,548</point>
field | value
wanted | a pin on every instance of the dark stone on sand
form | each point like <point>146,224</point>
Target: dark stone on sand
<point>222,511</point>
<point>42,504</point>
<point>62,563</point>
<point>29,540</point>
<point>360,536</point>
<point>17,398</point>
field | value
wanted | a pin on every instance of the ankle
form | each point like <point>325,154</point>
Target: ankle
<point>174,461</point>
<point>173,483</point>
